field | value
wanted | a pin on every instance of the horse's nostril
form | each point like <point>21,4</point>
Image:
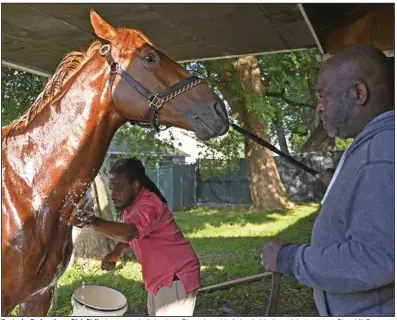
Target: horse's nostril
<point>219,109</point>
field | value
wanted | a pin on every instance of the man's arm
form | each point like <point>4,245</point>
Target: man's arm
<point>117,231</point>
<point>119,249</point>
<point>110,260</point>
<point>366,260</point>
<point>115,254</point>
<point>135,227</point>
<point>84,215</point>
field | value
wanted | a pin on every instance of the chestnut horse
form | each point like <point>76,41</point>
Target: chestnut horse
<point>53,152</point>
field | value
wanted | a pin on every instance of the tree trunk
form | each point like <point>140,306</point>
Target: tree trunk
<point>319,140</point>
<point>89,245</point>
<point>267,190</point>
<point>282,141</point>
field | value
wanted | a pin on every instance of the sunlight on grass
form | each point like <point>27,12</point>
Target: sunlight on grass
<point>205,268</point>
<point>224,223</point>
<point>228,244</point>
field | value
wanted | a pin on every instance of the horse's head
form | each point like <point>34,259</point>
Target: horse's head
<point>147,86</point>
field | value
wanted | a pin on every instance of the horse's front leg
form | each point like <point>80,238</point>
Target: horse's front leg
<point>39,304</point>
<point>6,307</point>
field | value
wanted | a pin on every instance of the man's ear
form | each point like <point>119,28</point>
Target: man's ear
<point>361,92</point>
<point>136,185</point>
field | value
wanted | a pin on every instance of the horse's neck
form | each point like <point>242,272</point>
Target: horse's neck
<point>64,147</point>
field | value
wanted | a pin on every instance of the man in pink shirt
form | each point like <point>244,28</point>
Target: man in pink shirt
<point>170,268</point>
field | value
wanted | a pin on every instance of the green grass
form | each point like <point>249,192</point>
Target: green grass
<point>228,243</point>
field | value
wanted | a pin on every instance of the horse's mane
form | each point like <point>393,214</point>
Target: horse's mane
<point>70,64</point>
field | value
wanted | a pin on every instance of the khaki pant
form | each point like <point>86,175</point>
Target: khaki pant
<point>172,301</point>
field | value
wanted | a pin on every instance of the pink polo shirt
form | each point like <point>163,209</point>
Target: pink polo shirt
<point>161,248</point>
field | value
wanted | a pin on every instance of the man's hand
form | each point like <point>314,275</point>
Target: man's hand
<point>327,175</point>
<point>83,214</point>
<point>269,254</point>
<point>109,262</point>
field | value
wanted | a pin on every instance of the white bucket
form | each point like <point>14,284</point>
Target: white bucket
<point>98,301</point>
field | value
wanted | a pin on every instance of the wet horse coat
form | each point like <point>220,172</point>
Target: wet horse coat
<point>53,152</point>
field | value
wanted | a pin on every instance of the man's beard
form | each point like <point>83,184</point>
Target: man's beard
<point>337,125</point>
<point>120,210</point>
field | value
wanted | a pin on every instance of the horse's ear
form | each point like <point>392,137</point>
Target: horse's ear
<point>102,29</point>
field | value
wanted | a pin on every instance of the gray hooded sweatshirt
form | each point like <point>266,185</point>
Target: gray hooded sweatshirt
<point>350,261</point>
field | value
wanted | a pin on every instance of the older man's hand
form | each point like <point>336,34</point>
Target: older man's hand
<point>269,254</point>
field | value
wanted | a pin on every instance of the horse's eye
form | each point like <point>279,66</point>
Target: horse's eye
<point>150,57</point>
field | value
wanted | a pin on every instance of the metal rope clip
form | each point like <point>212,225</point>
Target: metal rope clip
<point>105,49</point>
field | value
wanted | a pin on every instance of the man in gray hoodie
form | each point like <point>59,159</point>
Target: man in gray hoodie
<point>350,260</point>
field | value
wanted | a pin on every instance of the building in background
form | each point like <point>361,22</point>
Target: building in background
<point>165,156</point>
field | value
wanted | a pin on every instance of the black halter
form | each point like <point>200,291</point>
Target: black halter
<point>156,101</point>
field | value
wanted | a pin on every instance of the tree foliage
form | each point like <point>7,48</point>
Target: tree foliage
<point>18,91</point>
<point>291,94</point>
<point>144,143</point>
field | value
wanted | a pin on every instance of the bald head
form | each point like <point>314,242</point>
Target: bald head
<point>366,63</point>
<point>356,86</point>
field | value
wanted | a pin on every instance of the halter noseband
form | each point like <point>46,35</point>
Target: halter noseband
<point>156,101</point>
